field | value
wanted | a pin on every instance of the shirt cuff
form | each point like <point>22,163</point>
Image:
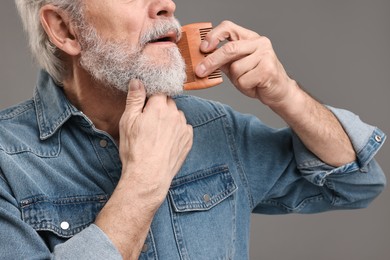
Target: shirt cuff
<point>366,141</point>
<point>91,243</point>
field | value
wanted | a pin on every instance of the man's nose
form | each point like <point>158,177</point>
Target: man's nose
<point>162,8</point>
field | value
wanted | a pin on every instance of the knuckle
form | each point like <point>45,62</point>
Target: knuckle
<point>271,68</point>
<point>235,69</point>
<point>230,49</point>
<point>269,74</point>
<point>265,41</point>
<point>267,70</point>
<point>210,61</point>
<point>252,35</point>
<point>240,81</point>
<point>226,23</point>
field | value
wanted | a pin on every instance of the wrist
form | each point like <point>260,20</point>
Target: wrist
<point>140,197</point>
<point>126,221</point>
<point>293,105</point>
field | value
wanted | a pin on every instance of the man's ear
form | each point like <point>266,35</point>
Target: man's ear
<point>61,32</point>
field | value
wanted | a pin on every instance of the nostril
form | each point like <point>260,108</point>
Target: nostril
<point>163,12</point>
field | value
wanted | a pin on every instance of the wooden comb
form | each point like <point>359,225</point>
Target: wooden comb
<point>189,46</point>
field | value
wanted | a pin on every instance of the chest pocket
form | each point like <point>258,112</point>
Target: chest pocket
<point>202,190</point>
<point>203,213</point>
<point>65,217</point>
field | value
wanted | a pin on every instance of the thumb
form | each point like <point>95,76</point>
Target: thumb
<point>136,97</point>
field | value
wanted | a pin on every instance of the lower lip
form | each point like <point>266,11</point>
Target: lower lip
<point>162,43</point>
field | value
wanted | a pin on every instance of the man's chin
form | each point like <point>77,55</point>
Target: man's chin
<point>160,53</point>
<point>170,92</point>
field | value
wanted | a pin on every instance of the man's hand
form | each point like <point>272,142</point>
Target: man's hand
<point>154,141</point>
<point>249,61</point>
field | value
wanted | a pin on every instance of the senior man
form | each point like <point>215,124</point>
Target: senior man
<point>108,161</point>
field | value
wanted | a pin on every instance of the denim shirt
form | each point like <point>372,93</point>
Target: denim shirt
<point>57,171</point>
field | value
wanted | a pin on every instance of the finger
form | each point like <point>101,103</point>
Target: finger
<point>225,31</point>
<point>157,100</point>
<point>136,96</point>
<point>249,80</point>
<point>186,142</point>
<point>228,53</point>
<point>183,118</point>
<point>240,67</point>
<point>266,74</point>
<point>171,102</point>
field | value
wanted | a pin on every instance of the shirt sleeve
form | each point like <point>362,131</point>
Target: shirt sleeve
<point>282,176</point>
<point>366,141</point>
<point>91,243</point>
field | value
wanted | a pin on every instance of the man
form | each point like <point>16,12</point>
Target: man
<point>104,163</point>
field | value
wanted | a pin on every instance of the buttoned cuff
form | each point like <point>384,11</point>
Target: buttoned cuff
<point>366,141</point>
<point>91,243</point>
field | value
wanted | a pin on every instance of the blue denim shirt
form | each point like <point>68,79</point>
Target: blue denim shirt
<point>57,171</point>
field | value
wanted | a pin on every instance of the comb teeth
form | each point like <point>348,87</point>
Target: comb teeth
<point>186,53</point>
<point>215,74</point>
<point>203,32</point>
<point>189,46</point>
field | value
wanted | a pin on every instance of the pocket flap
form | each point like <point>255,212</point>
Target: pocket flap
<point>202,190</point>
<point>63,216</point>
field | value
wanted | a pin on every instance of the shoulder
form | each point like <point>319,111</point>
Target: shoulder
<point>18,124</point>
<point>16,111</point>
<point>18,116</point>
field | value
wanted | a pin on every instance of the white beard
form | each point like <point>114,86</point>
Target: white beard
<point>115,63</point>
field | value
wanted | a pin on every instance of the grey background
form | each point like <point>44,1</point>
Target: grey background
<point>339,52</point>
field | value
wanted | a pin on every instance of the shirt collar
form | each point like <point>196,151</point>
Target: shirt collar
<point>52,107</point>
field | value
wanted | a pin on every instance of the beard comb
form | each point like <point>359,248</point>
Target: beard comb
<point>189,46</point>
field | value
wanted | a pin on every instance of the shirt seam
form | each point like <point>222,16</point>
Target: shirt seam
<point>234,151</point>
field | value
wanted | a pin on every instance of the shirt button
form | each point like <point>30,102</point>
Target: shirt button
<point>206,198</point>
<point>65,225</point>
<point>103,143</point>
<point>378,138</point>
<point>144,248</point>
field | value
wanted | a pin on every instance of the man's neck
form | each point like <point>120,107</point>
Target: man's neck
<point>103,105</point>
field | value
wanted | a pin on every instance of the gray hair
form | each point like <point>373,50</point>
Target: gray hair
<point>46,54</point>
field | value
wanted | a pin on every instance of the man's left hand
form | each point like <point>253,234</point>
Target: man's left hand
<point>249,61</point>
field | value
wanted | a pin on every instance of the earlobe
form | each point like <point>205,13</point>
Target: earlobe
<point>59,29</point>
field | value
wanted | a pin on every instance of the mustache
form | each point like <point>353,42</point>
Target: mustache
<point>160,29</point>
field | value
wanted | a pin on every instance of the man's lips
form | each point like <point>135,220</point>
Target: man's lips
<point>170,37</point>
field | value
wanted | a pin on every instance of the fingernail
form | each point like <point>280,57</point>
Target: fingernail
<point>204,45</point>
<point>200,70</point>
<point>134,85</point>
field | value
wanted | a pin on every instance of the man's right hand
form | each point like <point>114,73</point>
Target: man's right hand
<point>154,141</point>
